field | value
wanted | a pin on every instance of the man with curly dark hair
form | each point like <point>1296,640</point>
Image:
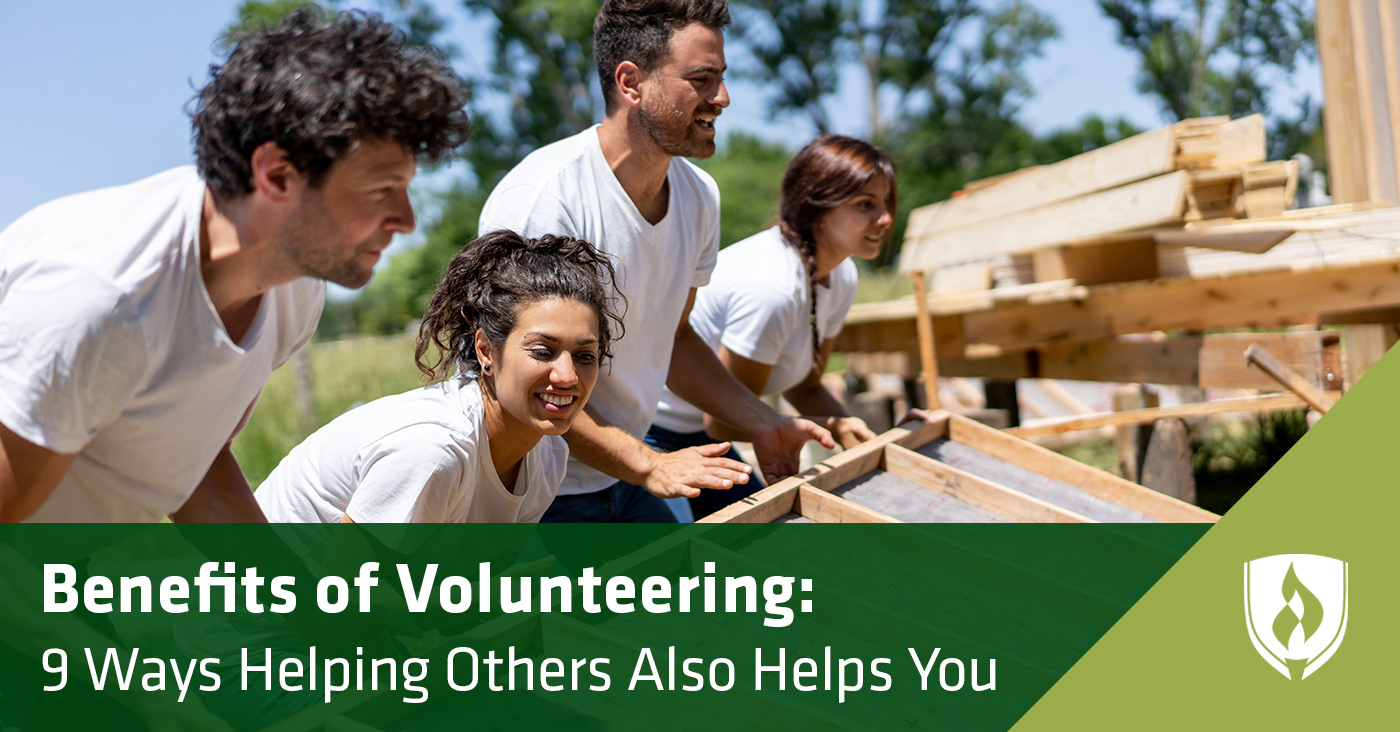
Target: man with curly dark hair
<point>139,323</point>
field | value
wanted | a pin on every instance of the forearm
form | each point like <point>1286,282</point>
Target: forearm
<point>697,376</point>
<point>814,400</point>
<point>605,447</point>
<point>223,496</point>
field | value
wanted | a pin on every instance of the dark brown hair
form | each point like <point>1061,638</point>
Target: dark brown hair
<point>640,31</point>
<point>318,84</point>
<point>826,173</point>
<point>493,276</point>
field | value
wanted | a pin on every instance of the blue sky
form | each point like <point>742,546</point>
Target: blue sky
<point>92,92</point>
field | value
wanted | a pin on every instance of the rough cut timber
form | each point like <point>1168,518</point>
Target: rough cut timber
<point>952,469</point>
<point>1356,43</point>
<point>1211,361</point>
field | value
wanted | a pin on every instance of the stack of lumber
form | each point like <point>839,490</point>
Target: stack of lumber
<point>1098,217</point>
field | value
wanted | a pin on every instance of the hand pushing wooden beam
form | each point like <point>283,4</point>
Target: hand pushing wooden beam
<point>1290,379</point>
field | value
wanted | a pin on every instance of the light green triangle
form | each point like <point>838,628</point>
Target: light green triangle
<point>1182,658</point>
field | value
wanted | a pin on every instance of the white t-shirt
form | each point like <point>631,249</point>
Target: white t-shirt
<point>110,347</point>
<point>567,188</point>
<point>421,456</point>
<point>758,306</point>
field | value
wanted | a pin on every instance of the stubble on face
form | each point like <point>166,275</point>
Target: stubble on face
<point>672,130</point>
<point>311,245</point>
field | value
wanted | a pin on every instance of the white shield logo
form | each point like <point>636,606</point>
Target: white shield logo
<point>1295,608</point>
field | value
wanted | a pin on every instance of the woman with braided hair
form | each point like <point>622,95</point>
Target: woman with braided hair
<point>777,299</point>
<point>525,324</point>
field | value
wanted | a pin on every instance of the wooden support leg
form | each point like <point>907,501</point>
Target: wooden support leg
<point>928,359</point>
<point>1364,345</point>
<point>1131,441</point>
<point>1166,467</point>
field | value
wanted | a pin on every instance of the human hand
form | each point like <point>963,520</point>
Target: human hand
<point>779,445</point>
<point>850,431</point>
<point>685,472</point>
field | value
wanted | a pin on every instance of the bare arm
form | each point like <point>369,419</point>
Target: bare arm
<point>813,399</point>
<point>668,475</point>
<point>223,495</point>
<point>697,376</point>
<point>28,475</point>
<point>809,397</point>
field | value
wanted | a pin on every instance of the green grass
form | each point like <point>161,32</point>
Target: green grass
<point>343,374</point>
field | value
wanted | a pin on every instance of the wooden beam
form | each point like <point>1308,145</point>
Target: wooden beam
<point>826,508</point>
<point>1255,300</point>
<point>1152,202</point>
<point>1096,264</point>
<point>1290,379</point>
<point>1346,162</point>
<point>1091,480</point>
<point>763,507</point>
<point>1268,403</point>
<point>1210,361</point>
<point>928,361</point>
<point>974,489</point>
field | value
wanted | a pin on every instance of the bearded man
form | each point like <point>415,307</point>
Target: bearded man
<point>138,324</point>
<point>625,186</point>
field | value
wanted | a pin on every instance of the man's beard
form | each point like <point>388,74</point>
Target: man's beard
<point>313,255</point>
<point>674,131</point>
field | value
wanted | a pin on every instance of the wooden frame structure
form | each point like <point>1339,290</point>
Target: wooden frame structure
<point>953,469</point>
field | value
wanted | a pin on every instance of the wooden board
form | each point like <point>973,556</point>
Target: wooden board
<point>955,470</point>
<point>1213,361</point>
<point>1153,202</point>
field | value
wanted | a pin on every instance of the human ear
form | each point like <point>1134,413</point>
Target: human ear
<point>628,77</point>
<point>483,350</point>
<point>273,172</point>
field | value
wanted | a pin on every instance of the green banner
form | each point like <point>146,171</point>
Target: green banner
<point>806,627</point>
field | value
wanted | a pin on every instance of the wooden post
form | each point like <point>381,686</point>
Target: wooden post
<point>1167,468</point>
<point>928,360</point>
<point>1364,345</point>
<point>1131,440</point>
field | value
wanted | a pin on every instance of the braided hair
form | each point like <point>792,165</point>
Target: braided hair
<point>828,172</point>
<point>495,275</point>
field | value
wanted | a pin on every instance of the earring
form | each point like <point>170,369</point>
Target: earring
<point>486,368</point>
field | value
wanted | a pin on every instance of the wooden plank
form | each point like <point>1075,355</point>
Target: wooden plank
<point>1365,345</point>
<point>977,491</point>
<point>1153,202</point>
<point>760,508</point>
<point>1252,241</point>
<point>1091,480</point>
<point>1142,156</point>
<point>1255,300</point>
<point>1289,378</point>
<point>1210,361</point>
<point>928,361</point>
<point>1387,28</point>
<point>1267,403</point>
<point>1346,162</point>
<point>973,277</point>
<point>825,508</point>
<point>1096,264</point>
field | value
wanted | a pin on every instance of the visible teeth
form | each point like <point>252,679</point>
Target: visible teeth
<point>558,401</point>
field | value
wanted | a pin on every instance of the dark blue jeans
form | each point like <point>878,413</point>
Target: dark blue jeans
<point>623,502</point>
<point>708,501</point>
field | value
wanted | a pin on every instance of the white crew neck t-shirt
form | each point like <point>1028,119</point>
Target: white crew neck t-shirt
<point>421,456</point>
<point>110,347</point>
<point>759,307</point>
<point>567,188</point>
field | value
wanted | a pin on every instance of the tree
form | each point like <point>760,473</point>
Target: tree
<point>1210,57</point>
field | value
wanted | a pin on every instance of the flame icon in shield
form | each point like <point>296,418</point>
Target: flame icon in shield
<point>1295,608</point>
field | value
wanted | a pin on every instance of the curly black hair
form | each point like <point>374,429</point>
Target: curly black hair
<point>316,85</point>
<point>493,276</point>
<point>640,31</point>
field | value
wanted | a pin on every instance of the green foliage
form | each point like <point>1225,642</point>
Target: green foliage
<point>343,375</point>
<point>1212,57</point>
<point>1228,463</point>
<point>749,173</point>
